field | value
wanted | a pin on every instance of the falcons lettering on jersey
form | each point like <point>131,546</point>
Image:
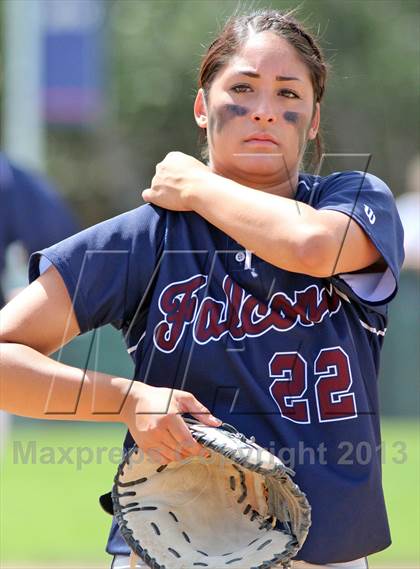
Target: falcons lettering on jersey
<point>239,314</point>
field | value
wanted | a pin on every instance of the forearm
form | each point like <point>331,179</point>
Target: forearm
<point>34,385</point>
<point>275,228</point>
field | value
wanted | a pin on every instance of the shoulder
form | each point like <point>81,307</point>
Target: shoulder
<point>146,214</point>
<point>361,195</point>
<point>348,180</point>
<point>129,233</point>
<point>146,219</point>
<point>357,180</point>
<point>106,268</point>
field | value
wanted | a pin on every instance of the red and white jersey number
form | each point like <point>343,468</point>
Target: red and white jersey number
<point>334,399</point>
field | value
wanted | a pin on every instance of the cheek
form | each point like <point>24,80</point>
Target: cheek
<point>299,123</point>
<point>221,116</point>
<point>291,117</point>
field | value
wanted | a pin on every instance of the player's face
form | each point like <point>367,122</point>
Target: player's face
<point>259,112</point>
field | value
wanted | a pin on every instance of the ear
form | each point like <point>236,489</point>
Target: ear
<point>200,110</point>
<point>316,118</point>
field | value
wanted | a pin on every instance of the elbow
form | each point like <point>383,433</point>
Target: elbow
<point>314,252</point>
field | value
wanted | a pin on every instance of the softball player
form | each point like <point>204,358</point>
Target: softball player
<point>257,288</point>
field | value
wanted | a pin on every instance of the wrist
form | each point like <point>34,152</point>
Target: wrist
<point>199,187</point>
<point>129,394</point>
<point>135,393</point>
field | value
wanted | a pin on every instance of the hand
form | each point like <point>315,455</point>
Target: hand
<point>176,176</point>
<point>153,416</point>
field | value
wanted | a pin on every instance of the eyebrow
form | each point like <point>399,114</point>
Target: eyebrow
<point>257,76</point>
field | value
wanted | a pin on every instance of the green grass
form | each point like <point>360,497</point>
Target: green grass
<point>402,493</point>
<point>50,513</point>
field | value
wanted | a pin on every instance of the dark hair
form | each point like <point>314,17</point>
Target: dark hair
<point>237,31</point>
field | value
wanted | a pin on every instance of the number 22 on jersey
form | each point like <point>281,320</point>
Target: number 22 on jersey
<point>333,380</point>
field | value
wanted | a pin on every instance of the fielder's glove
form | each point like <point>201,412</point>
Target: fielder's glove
<point>211,512</point>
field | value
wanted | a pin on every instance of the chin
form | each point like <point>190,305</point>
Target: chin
<point>263,163</point>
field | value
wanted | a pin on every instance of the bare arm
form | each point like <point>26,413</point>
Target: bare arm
<point>288,234</point>
<point>35,324</point>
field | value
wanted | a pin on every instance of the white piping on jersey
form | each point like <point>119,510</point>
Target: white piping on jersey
<point>341,294</point>
<point>134,348</point>
<point>366,326</point>
<point>248,259</point>
<point>372,329</point>
<point>248,263</point>
<point>305,184</point>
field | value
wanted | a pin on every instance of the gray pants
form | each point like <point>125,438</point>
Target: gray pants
<point>123,562</point>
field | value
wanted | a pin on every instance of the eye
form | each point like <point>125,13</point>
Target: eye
<point>241,88</point>
<point>289,94</point>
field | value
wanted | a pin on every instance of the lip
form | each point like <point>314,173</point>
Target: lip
<point>262,138</point>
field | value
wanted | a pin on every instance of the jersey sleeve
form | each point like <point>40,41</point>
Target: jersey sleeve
<point>368,200</point>
<point>107,267</point>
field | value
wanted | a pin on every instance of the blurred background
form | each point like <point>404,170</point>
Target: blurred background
<point>93,94</point>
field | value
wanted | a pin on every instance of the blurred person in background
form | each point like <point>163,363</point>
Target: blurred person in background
<point>31,213</point>
<point>32,216</point>
<point>408,205</point>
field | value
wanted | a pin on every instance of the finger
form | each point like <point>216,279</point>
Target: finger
<point>162,441</point>
<point>146,195</point>
<point>177,446</point>
<point>157,457</point>
<point>189,404</point>
<point>183,438</point>
<point>163,454</point>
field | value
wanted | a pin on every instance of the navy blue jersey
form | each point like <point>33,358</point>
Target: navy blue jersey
<point>289,358</point>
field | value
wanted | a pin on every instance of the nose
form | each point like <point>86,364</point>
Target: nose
<point>264,115</point>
